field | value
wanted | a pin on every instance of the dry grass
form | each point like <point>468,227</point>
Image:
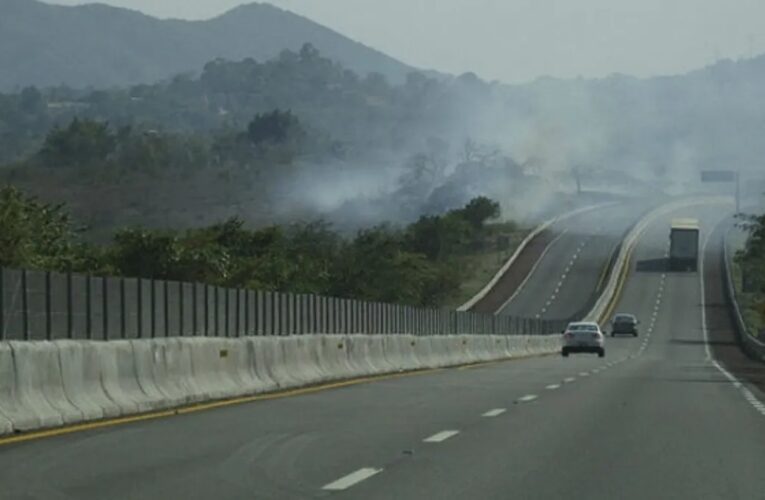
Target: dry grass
<point>481,267</point>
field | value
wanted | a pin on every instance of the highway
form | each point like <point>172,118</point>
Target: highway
<point>561,283</point>
<point>654,419</point>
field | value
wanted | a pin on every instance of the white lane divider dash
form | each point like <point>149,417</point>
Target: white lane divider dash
<point>441,436</point>
<point>584,374</point>
<point>568,380</point>
<point>354,478</point>
<point>552,387</point>
<point>494,413</point>
<point>527,398</point>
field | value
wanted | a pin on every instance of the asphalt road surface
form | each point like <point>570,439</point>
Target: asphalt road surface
<point>654,419</point>
<point>562,283</point>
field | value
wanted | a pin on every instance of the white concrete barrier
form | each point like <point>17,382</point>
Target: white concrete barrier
<point>213,364</point>
<point>360,355</point>
<point>14,414</point>
<point>81,373</point>
<point>120,377</point>
<point>38,378</point>
<point>263,378</point>
<point>49,384</point>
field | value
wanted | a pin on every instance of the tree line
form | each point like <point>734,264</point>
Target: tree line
<point>414,264</point>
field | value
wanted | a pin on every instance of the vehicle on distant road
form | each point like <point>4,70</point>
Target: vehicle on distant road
<point>684,245</point>
<point>624,324</point>
<point>583,337</point>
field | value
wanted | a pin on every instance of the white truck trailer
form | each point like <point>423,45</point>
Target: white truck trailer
<point>684,245</point>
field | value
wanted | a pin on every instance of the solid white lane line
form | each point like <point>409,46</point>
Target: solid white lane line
<point>494,413</point>
<point>568,380</point>
<point>354,478</point>
<point>552,387</point>
<point>533,270</point>
<point>527,398</point>
<point>441,436</point>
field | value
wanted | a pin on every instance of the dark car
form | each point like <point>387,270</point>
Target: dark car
<point>624,324</point>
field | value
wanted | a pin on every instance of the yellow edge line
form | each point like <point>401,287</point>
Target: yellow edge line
<point>602,278</point>
<point>620,286</point>
<point>62,431</point>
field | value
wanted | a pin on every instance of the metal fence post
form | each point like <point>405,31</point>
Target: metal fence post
<point>207,310</point>
<point>181,311</point>
<point>123,310</point>
<point>237,311</point>
<point>166,304</point>
<point>139,307</point>
<point>105,307</point>
<point>48,323</point>
<point>216,312</point>
<point>226,311</point>
<point>194,309</point>
<point>24,305</point>
<point>153,303</point>
<point>246,312</point>
<point>88,315</point>
<point>2,304</point>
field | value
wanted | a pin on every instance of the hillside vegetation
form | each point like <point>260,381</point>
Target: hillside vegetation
<point>416,265</point>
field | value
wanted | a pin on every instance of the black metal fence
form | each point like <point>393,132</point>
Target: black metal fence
<point>42,305</point>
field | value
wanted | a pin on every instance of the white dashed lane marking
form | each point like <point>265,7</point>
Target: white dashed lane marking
<point>568,380</point>
<point>584,374</point>
<point>552,387</point>
<point>441,436</point>
<point>527,398</point>
<point>354,478</point>
<point>495,412</point>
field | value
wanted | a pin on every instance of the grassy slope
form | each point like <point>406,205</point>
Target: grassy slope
<point>483,265</point>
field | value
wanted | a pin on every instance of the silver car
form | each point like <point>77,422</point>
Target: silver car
<point>583,337</point>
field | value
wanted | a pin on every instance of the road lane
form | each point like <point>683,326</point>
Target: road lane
<point>562,282</point>
<point>664,424</point>
<point>661,424</point>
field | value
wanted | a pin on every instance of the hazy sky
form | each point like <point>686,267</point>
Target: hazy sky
<point>519,40</point>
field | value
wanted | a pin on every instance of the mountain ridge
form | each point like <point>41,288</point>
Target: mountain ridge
<point>96,45</point>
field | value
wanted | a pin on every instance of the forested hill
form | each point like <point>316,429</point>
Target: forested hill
<point>101,46</point>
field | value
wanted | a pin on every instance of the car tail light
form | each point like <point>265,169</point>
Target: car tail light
<point>569,335</point>
<point>596,336</point>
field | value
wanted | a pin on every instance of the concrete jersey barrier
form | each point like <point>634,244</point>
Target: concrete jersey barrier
<point>54,383</point>
<point>751,345</point>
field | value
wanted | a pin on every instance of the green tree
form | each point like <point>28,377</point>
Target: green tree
<point>479,211</point>
<point>33,234</point>
<point>276,127</point>
<point>82,143</point>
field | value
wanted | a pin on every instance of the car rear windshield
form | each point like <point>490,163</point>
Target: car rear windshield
<point>583,328</point>
<point>624,318</point>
